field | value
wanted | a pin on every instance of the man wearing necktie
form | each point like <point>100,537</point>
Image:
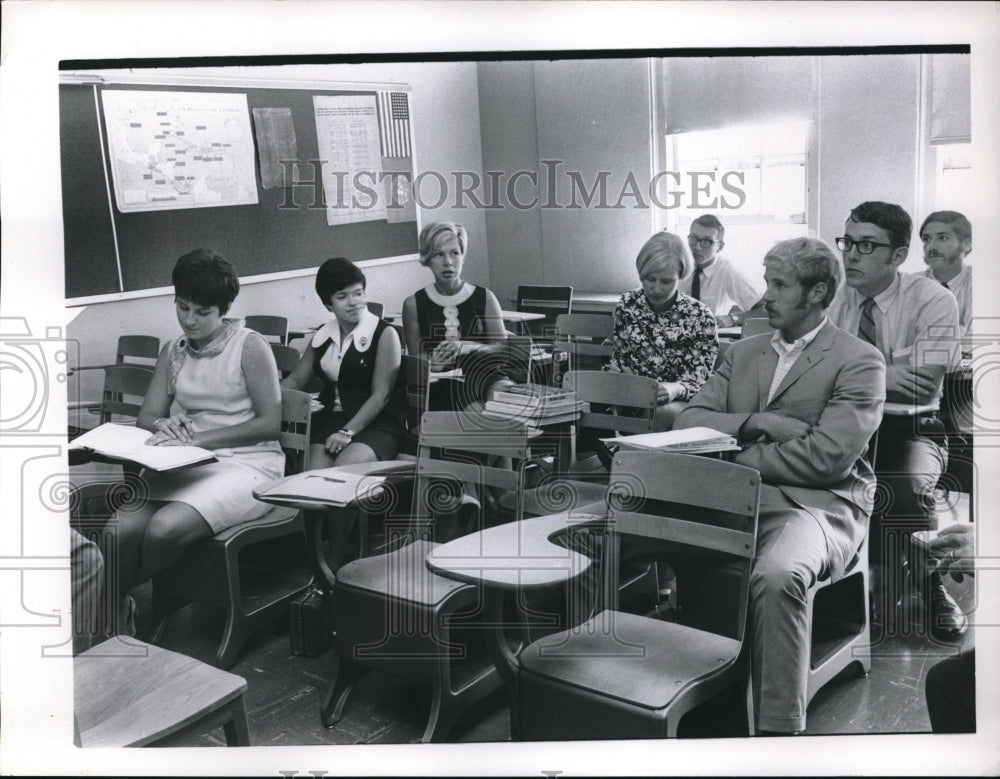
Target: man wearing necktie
<point>803,402</point>
<point>715,281</point>
<point>913,321</point>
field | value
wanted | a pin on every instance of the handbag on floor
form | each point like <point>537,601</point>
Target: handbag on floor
<point>311,622</point>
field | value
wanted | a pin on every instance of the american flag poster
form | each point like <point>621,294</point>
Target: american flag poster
<point>394,123</point>
<point>394,129</point>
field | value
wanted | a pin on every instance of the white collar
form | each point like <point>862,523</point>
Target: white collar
<point>362,333</point>
<point>799,343</point>
<point>450,300</point>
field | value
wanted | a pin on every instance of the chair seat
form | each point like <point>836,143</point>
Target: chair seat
<point>275,518</point>
<point>631,658</point>
<point>401,574</point>
<point>125,699</point>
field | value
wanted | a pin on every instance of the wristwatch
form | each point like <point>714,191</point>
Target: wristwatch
<point>348,432</point>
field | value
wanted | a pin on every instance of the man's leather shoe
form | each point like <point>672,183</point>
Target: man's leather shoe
<point>947,621</point>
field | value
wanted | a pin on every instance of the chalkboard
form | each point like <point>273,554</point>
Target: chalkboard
<point>111,253</point>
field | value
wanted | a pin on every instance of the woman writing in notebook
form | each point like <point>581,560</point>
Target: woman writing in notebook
<point>449,321</point>
<point>214,386</point>
<point>357,356</point>
<point>661,332</point>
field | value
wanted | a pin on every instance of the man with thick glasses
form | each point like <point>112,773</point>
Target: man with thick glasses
<point>715,281</point>
<point>913,321</point>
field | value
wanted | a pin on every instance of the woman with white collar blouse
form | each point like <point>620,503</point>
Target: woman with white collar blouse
<point>455,323</point>
<point>357,355</point>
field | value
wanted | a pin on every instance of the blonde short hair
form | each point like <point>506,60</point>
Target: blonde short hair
<point>660,250</point>
<point>436,233</point>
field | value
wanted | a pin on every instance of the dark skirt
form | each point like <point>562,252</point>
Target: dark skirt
<point>384,440</point>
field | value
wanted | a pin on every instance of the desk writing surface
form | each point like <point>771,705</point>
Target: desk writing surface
<point>516,555</point>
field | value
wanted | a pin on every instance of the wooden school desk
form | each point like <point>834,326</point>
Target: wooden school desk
<point>509,558</point>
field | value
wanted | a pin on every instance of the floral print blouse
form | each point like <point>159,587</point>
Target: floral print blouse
<point>677,345</point>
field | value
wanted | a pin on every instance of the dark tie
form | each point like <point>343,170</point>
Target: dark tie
<point>696,285</point>
<point>866,325</point>
<point>945,285</point>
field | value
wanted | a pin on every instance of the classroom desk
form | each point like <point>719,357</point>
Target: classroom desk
<point>506,315</point>
<point>313,511</point>
<point>513,557</point>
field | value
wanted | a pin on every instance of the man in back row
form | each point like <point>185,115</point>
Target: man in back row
<point>715,281</point>
<point>913,321</point>
<point>947,240</point>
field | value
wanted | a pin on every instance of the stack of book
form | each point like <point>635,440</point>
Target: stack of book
<point>693,440</point>
<point>535,404</point>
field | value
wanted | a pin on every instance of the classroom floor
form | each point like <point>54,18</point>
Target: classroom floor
<point>286,691</point>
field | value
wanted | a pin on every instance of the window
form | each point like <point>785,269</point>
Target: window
<point>759,176</point>
<point>953,178</point>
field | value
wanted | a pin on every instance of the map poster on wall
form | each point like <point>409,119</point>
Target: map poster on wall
<point>347,134</point>
<point>179,149</point>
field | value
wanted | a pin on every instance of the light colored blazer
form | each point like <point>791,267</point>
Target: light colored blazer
<point>837,386</point>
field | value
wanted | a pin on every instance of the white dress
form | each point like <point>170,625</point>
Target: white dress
<point>212,391</point>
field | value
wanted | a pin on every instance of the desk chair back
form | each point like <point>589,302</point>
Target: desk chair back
<point>138,347</point>
<point>286,358</point>
<point>268,552</point>
<point>376,308</point>
<point>548,300</point>
<point>269,326</point>
<point>582,342</point>
<point>621,675</point>
<point>125,386</point>
<point>755,325</point>
<point>457,449</point>
<point>621,402</point>
<point>392,613</point>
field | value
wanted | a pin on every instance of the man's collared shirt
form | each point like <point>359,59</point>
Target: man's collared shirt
<point>722,287</point>
<point>788,353</point>
<point>916,321</point>
<point>961,288</point>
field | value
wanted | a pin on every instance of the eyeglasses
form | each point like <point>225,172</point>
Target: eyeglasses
<point>863,247</point>
<point>702,243</point>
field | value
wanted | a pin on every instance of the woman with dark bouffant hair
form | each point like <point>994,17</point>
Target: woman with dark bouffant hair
<point>214,386</point>
<point>357,355</point>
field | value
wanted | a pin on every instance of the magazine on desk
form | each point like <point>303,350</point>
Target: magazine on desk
<point>338,486</point>
<point>693,440</point>
<point>124,442</point>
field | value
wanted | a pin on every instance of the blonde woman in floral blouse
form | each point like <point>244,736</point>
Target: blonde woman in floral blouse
<point>661,332</point>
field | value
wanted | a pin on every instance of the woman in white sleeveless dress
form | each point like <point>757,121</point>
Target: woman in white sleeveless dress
<point>215,386</point>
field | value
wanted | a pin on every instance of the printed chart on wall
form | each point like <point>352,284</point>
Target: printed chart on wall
<point>179,149</point>
<point>348,137</point>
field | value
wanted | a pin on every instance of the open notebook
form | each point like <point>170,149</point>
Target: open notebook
<point>693,440</point>
<point>337,486</point>
<point>123,442</point>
